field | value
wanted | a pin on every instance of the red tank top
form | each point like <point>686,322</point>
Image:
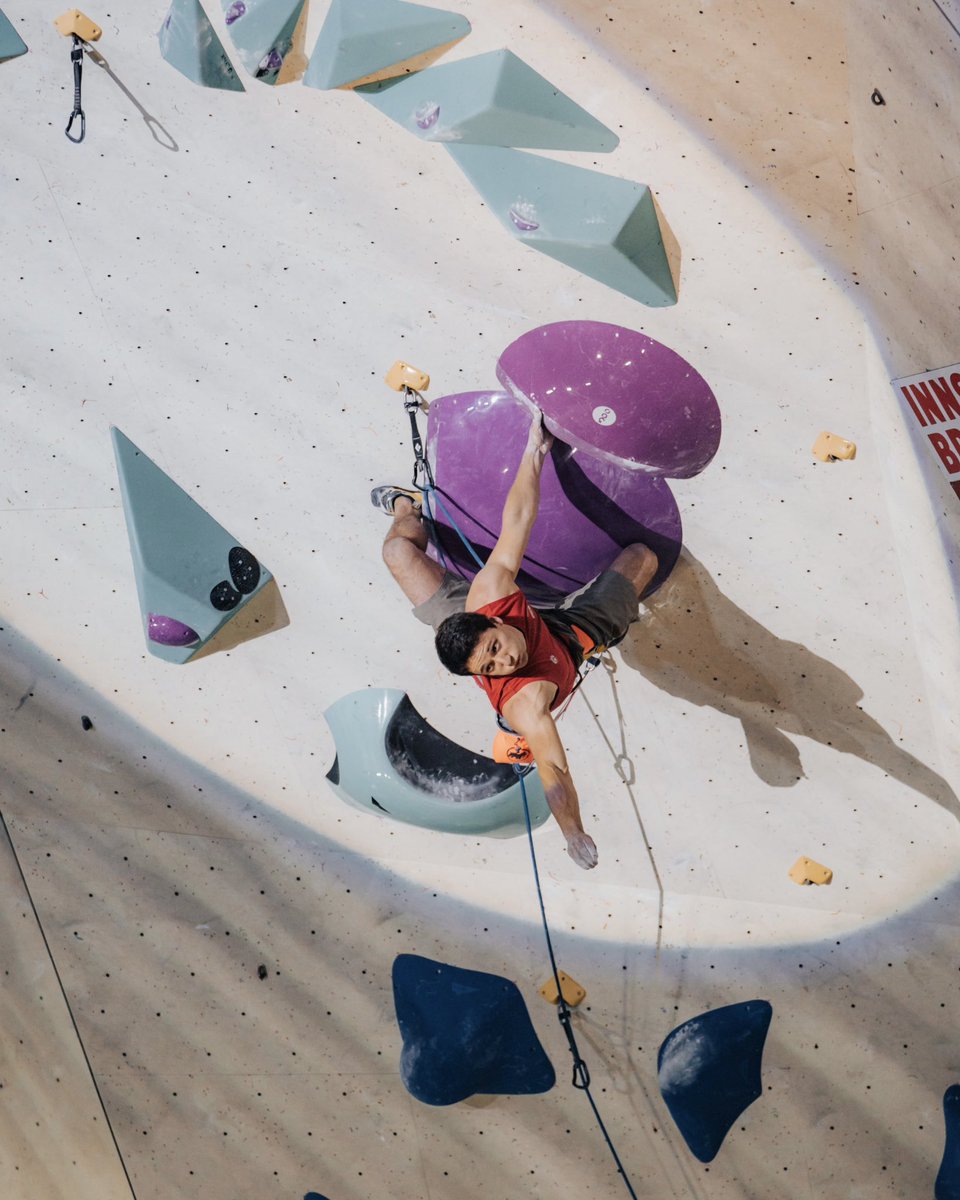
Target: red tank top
<point>548,659</point>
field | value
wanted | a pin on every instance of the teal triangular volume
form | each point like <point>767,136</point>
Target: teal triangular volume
<point>12,44</point>
<point>189,42</point>
<point>361,38</point>
<point>180,554</point>
<point>262,31</point>
<point>602,226</point>
<point>494,99</point>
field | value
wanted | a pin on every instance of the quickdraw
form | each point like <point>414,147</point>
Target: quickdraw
<point>76,25</point>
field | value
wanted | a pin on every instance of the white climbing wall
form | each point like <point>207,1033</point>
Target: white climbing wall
<point>226,277</point>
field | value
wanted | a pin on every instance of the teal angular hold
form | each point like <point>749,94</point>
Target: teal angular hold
<point>494,99</point>
<point>262,32</point>
<point>362,38</point>
<point>12,44</point>
<point>189,43</point>
<point>604,227</point>
<point>391,761</point>
<point>187,566</point>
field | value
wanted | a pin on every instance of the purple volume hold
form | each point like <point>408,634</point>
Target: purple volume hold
<point>589,508</point>
<point>168,631</point>
<point>616,394</point>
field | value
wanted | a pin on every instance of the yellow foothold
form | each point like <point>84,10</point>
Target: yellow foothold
<point>828,448</point>
<point>805,871</point>
<point>75,23</point>
<point>401,375</point>
<point>573,993</point>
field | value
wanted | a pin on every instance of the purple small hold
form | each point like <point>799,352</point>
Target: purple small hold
<point>236,10</point>
<point>168,631</point>
<point>524,216</point>
<point>427,114</point>
<point>271,61</point>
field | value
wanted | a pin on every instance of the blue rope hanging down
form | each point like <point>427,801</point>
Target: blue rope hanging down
<point>581,1072</point>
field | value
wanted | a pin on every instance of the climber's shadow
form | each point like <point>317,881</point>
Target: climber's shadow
<point>696,644</point>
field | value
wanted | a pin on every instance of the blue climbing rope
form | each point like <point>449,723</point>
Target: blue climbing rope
<point>423,479</point>
<point>581,1072</point>
<point>430,489</point>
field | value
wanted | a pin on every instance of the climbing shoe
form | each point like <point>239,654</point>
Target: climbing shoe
<point>386,495</point>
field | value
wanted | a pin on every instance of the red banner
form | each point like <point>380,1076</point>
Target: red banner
<point>932,401</point>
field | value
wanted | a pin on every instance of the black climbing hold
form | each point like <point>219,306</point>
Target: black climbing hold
<point>245,573</point>
<point>709,1072</point>
<point>876,97</point>
<point>86,723</point>
<point>244,570</point>
<point>377,803</point>
<point>464,1032</point>
<point>223,597</point>
<point>261,972</point>
<point>948,1177</point>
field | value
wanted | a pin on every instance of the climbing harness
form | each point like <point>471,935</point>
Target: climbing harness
<point>581,1072</point>
<point>508,745</point>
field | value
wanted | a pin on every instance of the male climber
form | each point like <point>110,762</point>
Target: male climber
<point>525,659</point>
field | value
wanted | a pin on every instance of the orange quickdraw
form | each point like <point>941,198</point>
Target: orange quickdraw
<point>510,748</point>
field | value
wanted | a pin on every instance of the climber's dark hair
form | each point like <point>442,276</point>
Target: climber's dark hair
<point>457,639</point>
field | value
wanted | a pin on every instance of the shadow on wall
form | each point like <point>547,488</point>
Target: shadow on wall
<point>161,889</point>
<point>696,644</point>
<point>160,135</point>
<point>144,920</point>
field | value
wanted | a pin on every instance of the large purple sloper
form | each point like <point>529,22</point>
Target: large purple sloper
<point>616,393</point>
<point>589,508</point>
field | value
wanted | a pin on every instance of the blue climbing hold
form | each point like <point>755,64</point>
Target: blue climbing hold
<point>602,226</point>
<point>362,41</point>
<point>709,1071</point>
<point>492,99</point>
<point>464,1033</point>
<point>189,43</point>
<point>188,568</point>
<point>947,1186</point>
<point>12,44</point>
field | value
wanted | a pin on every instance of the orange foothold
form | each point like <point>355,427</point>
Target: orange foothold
<point>74,23</point>
<point>806,871</point>
<point>829,447</point>
<point>573,993</point>
<point>401,375</point>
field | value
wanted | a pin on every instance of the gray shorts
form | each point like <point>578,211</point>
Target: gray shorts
<point>603,609</point>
